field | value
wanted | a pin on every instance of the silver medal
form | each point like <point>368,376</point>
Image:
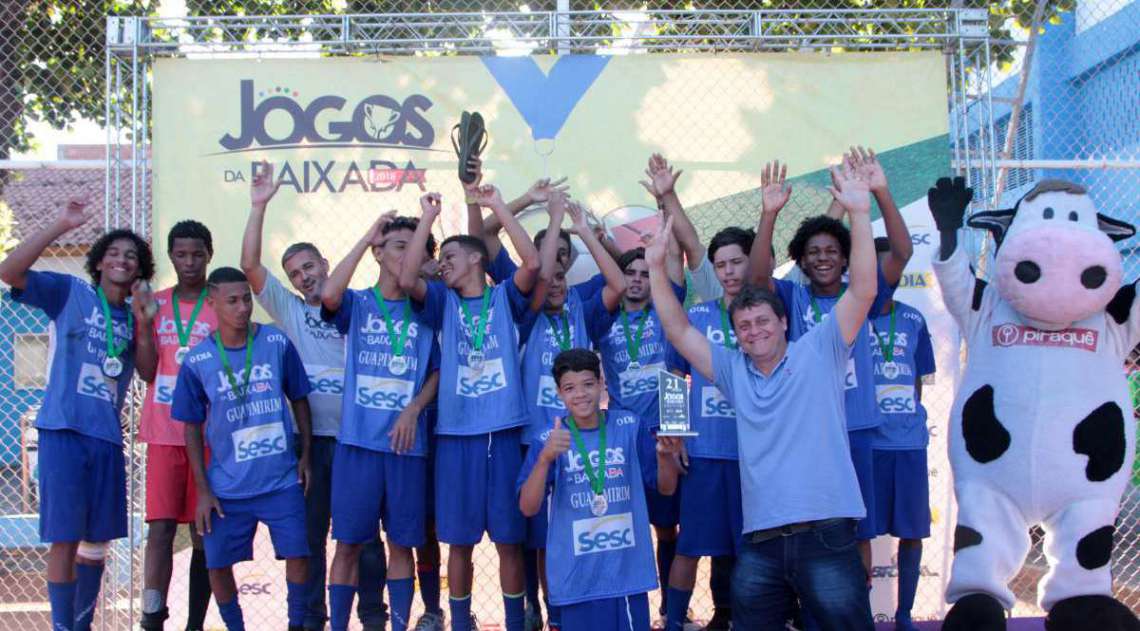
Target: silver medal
<point>112,367</point>
<point>398,364</point>
<point>599,505</point>
<point>890,370</point>
<point>180,354</point>
<point>634,365</point>
<point>475,361</point>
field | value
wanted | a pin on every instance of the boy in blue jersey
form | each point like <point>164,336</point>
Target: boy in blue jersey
<point>99,330</point>
<point>482,410</point>
<point>559,320</point>
<point>711,518</point>
<point>391,376</point>
<point>903,356</point>
<point>235,391</point>
<point>821,248</point>
<point>600,560</point>
<point>800,492</point>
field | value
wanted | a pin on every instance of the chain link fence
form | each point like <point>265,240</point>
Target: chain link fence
<point>1060,98</point>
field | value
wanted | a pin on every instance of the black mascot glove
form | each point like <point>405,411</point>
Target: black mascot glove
<point>948,201</point>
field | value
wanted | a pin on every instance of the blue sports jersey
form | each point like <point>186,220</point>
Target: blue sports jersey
<point>250,437</point>
<point>588,557</point>
<point>636,389</point>
<point>588,320</point>
<point>376,395</point>
<point>503,267</point>
<point>473,402</point>
<point>903,424</point>
<point>710,413</point>
<point>862,412</point>
<point>79,397</point>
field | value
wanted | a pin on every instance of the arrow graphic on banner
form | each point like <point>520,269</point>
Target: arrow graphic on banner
<point>545,100</point>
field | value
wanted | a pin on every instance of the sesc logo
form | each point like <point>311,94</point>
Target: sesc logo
<point>164,389</point>
<point>641,381</point>
<point>376,120</point>
<point>325,379</point>
<point>895,399</point>
<point>93,383</point>
<point>548,394</point>
<point>603,534</point>
<point>475,384</point>
<point>714,405</point>
<point>381,393</point>
<point>259,441</point>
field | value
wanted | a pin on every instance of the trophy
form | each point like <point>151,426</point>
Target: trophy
<point>673,404</point>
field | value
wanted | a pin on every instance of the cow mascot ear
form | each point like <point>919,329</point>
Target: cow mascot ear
<point>996,221</point>
<point>1116,229</point>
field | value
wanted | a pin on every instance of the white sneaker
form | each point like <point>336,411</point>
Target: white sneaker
<point>430,622</point>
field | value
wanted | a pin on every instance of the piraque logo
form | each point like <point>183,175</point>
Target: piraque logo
<point>327,120</point>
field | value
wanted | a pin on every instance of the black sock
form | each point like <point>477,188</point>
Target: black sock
<point>199,599</point>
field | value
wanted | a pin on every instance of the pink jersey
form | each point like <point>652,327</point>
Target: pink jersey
<point>156,426</point>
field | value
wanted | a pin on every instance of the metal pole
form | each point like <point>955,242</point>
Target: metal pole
<point>1019,100</point>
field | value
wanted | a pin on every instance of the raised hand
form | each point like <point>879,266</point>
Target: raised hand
<point>557,204</point>
<point>375,234</point>
<point>577,214</point>
<point>542,190</point>
<point>866,164</point>
<point>488,196</point>
<point>432,205</point>
<point>476,165</point>
<point>658,246</point>
<point>263,186</point>
<point>557,442</point>
<point>774,190</point>
<point>850,190</point>
<point>661,179</point>
<point>75,213</point>
<point>948,201</point>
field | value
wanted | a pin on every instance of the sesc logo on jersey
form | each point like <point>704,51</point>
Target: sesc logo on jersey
<point>93,383</point>
<point>382,393</point>
<point>548,394</point>
<point>714,405</point>
<point>474,384</point>
<point>164,389</point>
<point>640,381</point>
<point>325,379</point>
<point>259,441</point>
<point>895,398</point>
<point>603,534</point>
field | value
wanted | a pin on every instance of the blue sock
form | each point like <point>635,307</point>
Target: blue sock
<point>666,550</point>
<point>677,609</point>
<point>400,593</point>
<point>62,598</point>
<point>460,613</point>
<point>340,605</point>
<point>231,614</point>
<point>297,601</point>
<point>530,568</point>
<point>553,616</point>
<point>428,576</point>
<point>910,560</point>
<point>515,611</point>
<point>87,581</point>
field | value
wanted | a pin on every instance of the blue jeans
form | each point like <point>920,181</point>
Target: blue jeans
<point>318,516</point>
<point>820,566</point>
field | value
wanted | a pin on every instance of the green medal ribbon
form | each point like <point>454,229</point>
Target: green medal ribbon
<point>817,315</point>
<point>633,345</point>
<point>184,332</point>
<point>563,334</point>
<point>477,343</point>
<point>113,350</point>
<point>888,349</point>
<point>406,319</point>
<point>226,361</point>
<point>597,477</point>
<point>725,327</point>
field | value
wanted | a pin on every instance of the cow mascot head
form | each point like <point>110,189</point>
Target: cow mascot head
<point>1042,430</point>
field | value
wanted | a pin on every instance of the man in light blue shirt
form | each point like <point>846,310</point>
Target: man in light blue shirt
<point>801,496</point>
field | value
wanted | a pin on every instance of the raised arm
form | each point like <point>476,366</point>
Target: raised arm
<point>548,249</point>
<point>867,165</point>
<point>774,194</point>
<point>411,282</point>
<point>14,268</point>
<point>688,341</point>
<point>538,193</point>
<point>607,265</point>
<point>261,189</point>
<point>853,194</point>
<point>661,182</point>
<point>527,273</point>
<point>332,293</point>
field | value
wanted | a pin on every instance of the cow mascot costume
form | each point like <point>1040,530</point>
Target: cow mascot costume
<point>1042,430</point>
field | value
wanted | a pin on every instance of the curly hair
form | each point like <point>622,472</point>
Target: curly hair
<point>820,224</point>
<point>99,250</point>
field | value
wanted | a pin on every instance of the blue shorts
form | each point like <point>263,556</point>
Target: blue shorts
<point>373,486</point>
<point>664,510</point>
<point>230,539</point>
<point>475,486</point>
<point>712,518</point>
<point>902,493</point>
<point>624,613</point>
<point>83,488</point>
<point>862,456</point>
